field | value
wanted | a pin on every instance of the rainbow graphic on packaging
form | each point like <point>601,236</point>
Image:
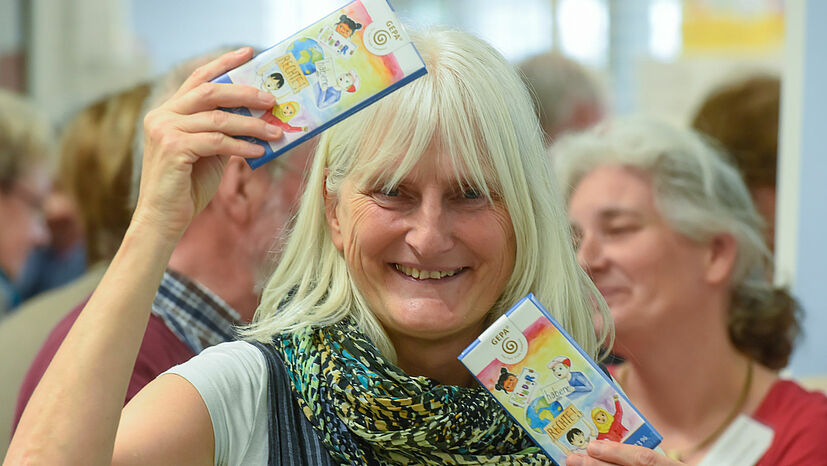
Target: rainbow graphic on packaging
<point>328,71</point>
<point>550,386</point>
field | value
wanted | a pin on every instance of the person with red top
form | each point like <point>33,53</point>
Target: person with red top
<point>668,232</point>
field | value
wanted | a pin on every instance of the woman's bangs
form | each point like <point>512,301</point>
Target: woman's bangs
<point>394,133</point>
<point>461,129</point>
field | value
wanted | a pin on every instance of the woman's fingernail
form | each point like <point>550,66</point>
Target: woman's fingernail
<point>266,97</point>
<point>574,460</point>
<point>242,50</point>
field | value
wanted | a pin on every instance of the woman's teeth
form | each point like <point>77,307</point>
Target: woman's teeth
<point>426,274</point>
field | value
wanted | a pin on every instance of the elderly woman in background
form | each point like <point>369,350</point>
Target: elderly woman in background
<point>24,184</point>
<point>668,232</point>
<point>425,217</point>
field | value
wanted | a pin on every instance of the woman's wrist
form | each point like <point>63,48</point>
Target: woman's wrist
<point>150,239</point>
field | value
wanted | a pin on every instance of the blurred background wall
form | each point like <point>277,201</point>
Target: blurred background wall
<point>655,56</point>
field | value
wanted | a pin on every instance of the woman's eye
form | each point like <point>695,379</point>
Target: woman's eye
<point>390,192</point>
<point>471,193</point>
<point>621,229</point>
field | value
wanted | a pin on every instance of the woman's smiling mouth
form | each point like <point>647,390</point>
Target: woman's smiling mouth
<point>426,274</point>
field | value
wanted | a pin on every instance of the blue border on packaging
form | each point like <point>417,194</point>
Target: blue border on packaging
<point>643,433</point>
<point>269,153</point>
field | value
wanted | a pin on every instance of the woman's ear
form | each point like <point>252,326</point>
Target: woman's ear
<point>233,197</point>
<point>331,201</point>
<point>721,256</point>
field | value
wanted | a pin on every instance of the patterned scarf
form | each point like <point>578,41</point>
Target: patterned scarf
<point>368,411</point>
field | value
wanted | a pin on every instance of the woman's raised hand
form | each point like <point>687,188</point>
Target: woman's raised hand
<point>189,140</point>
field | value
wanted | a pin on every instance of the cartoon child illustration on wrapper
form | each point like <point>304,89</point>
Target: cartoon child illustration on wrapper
<point>346,26</point>
<point>328,93</point>
<point>280,114</point>
<point>274,83</point>
<point>506,382</point>
<point>577,439</point>
<point>569,385</point>
<point>609,426</point>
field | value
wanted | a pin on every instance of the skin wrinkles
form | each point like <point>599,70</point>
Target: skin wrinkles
<point>429,223</point>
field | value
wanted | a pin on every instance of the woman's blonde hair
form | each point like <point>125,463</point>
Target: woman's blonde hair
<point>474,103</point>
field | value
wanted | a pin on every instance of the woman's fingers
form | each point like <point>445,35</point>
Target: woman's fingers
<point>215,143</point>
<point>215,68</point>
<point>602,452</point>
<point>229,123</point>
<point>207,96</point>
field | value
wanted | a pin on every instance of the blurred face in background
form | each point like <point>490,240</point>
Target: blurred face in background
<point>22,226</point>
<point>63,221</point>
<point>647,272</point>
<point>278,198</point>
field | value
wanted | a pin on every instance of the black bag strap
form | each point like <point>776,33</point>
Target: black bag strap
<point>292,439</point>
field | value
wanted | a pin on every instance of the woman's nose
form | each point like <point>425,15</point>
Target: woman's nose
<point>430,229</point>
<point>590,253</point>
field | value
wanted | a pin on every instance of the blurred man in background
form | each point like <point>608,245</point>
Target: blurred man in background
<point>566,97</point>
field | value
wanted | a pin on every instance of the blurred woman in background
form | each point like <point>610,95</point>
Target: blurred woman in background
<point>25,139</point>
<point>668,232</point>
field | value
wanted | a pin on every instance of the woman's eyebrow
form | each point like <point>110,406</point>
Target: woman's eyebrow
<point>611,213</point>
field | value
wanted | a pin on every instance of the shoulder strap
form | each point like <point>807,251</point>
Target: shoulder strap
<point>292,438</point>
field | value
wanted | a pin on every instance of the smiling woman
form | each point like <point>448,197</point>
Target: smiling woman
<point>424,218</point>
<point>441,183</point>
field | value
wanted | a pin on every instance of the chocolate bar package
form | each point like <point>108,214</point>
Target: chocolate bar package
<point>328,71</point>
<point>550,386</point>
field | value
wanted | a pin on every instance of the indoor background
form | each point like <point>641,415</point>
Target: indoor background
<point>653,56</point>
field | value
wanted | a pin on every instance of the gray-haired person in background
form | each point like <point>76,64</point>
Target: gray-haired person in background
<point>25,167</point>
<point>566,96</point>
<point>668,232</point>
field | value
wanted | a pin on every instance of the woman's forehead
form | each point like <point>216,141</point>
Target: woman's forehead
<point>411,166</point>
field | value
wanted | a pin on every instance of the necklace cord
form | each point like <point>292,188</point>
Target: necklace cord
<point>736,409</point>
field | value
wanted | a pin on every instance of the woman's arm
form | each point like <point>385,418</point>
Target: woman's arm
<point>166,423</point>
<point>74,413</point>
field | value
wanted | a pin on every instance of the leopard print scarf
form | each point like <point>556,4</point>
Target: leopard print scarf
<point>368,411</point>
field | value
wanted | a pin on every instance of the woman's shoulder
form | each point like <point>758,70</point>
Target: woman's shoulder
<point>232,379</point>
<point>226,369</point>
<point>788,397</point>
<point>232,356</point>
<point>798,418</point>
